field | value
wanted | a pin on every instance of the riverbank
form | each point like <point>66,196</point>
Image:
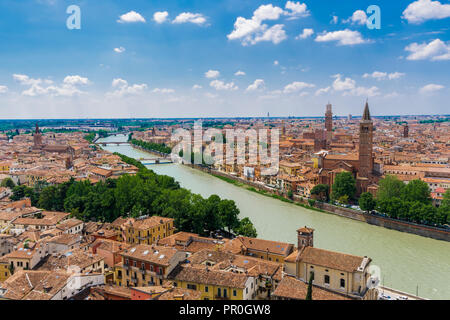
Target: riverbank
<point>402,257</point>
<point>385,222</point>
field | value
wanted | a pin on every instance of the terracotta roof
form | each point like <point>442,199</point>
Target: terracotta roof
<point>18,285</point>
<point>150,222</point>
<point>211,277</point>
<point>291,288</point>
<point>330,259</point>
<point>274,247</point>
<point>149,253</point>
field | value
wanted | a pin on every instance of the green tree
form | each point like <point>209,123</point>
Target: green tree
<point>247,229</point>
<point>310,282</point>
<point>321,192</point>
<point>229,213</point>
<point>8,183</point>
<point>390,187</point>
<point>366,202</point>
<point>343,199</point>
<point>446,199</point>
<point>344,185</point>
<point>417,190</point>
<point>290,194</point>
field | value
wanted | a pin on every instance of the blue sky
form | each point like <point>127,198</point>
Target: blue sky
<point>293,57</point>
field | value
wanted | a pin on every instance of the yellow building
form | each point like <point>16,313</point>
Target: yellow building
<point>148,230</point>
<point>146,265</point>
<point>4,269</point>
<point>213,284</point>
<point>290,168</point>
<point>4,167</point>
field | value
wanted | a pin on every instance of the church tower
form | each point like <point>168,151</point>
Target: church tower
<point>405,131</point>
<point>329,123</point>
<point>37,138</point>
<point>305,237</point>
<point>329,118</point>
<point>365,144</point>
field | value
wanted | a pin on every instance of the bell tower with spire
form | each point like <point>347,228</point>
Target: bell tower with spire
<point>366,144</point>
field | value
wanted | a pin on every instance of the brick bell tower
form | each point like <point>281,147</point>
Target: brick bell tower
<point>329,121</point>
<point>305,237</point>
<point>365,144</point>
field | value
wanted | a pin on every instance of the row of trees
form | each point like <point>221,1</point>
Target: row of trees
<point>409,202</point>
<point>152,146</point>
<point>146,193</point>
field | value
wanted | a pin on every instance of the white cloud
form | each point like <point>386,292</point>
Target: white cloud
<point>296,10</point>
<point>188,17</point>
<point>275,34</point>
<point>395,75</point>
<point>322,91</point>
<point>383,75</point>
<point>434,51</point>
<point>160,16</point>
<point>252,31</point>
<point>119,83</point>
<point>124,89</point>
<point>341,85</point>
<point>276,62</point>
<point>343,37</point>
<point>297,86</point>
<point>430,88</point>
<point>334,20</point>
<point>131,17</point>
<point>163,90</point>
<point>211,74</point>
<point>240,73</point>
<point>422,10</point>
<point>76,80</point>
<point>257,85</point>
<point>305,34</point>
<point>196,87</point>
<point>349,88</point>
<point>39,87</point>
<point>363,91</point>
<point>119,49</point>
<point>26,80</point>
<point>3,89</point>
<point>358,17</point>
<point>220,85</point>
<point>267,12</point>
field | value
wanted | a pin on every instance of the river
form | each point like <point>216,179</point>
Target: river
<point>407,262</point>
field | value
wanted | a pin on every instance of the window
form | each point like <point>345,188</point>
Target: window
<point>224,293</point>
<point>327,279</point>
<point>206,289</point>
<point>234,293</point>
<point>192,286</point>
<point>218,292</point>
<point>342,283</point>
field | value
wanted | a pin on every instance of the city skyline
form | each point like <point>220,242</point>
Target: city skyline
<point>228,59</point>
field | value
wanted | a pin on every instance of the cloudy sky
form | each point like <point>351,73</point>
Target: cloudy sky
<point>203,58</point>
